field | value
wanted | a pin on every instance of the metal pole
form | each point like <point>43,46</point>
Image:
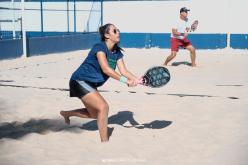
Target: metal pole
<point>228,25</point>
<point>41,15</point>
<point>68,17</point>
<point>75,23</point>
<point>13,20</point>
<point>101,12</point>
<point>24,41</point>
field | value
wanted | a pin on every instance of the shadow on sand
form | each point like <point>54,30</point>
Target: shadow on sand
<point>16,130</point>
<point>181,63</point>
<point>126,116</point>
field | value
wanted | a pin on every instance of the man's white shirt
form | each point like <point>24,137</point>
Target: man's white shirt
<point>181,26</point>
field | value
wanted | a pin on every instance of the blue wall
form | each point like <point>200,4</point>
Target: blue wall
<point>239,41</point>
<point>54,42</point>
<point>162,40</point>
<point>59,43</point>
<point>45,43</point>
<point>10,49</point>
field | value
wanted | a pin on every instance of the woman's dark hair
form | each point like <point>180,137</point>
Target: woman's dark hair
<point>105,29</point>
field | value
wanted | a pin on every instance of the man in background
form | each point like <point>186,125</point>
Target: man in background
<point>179,34</point>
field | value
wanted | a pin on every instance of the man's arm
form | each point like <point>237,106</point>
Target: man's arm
<point>175,32</point>
<point>178,34</point>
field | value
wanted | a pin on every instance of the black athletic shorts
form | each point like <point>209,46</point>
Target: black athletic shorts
<point>80,88</point>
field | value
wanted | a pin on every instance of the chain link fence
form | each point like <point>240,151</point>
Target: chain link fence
<point>49,17</point>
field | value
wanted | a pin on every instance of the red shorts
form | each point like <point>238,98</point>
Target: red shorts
<point>176,43</point>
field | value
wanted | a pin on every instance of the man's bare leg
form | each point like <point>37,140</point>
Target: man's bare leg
<point>192,55</point>
<point>170,57</point>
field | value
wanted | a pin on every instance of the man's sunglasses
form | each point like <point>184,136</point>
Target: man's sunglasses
<point>116,30</point>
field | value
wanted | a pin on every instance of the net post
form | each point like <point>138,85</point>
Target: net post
<point>24,41</point>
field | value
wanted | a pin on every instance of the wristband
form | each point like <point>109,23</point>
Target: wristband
<point>123,79</point>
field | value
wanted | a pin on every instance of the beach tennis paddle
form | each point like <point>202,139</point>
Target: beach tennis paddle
<point>155,77</point>
<point>194,25</point>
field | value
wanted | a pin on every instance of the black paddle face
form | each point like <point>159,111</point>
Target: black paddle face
<point>156,77</point>
<point>194,25</point>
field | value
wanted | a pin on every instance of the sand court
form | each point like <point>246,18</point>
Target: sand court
<point>199,117</point>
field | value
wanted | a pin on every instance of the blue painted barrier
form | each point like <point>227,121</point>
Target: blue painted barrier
<point>60,43</point>
<point>239,41</point>
<point>54,42</point>
<point>10,49</point>
<point>162,40</point>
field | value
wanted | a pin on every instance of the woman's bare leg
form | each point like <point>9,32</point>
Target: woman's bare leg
<point>83,113</point>
<point>98,108</point>
<point>95,107</point>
